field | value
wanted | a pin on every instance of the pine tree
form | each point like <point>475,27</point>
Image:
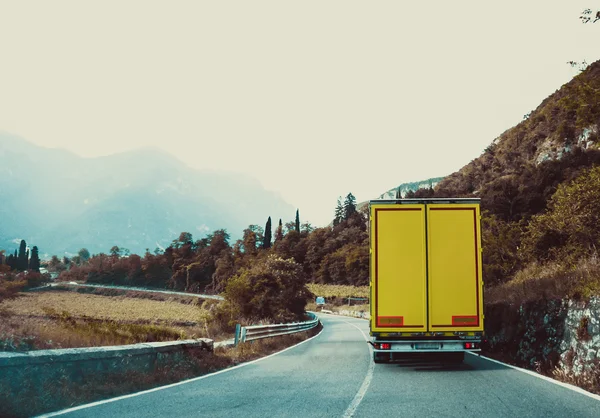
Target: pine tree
<point>268,235</point>
<point>279,232</point>
<point>297,221</point>
<point>349,206</point>
<point>339,212</point>
<point>22,260</point>
<point>34,263</point>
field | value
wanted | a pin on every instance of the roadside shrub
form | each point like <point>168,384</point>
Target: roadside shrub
<point>501,241</point>
<point>570,228</point>
<point>10,288</point>
<point>272,289</point>
<point>550,280</point>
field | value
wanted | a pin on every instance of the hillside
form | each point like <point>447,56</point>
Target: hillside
<point>537,190</point>
<point>516,175</point>
<point>138,199</point>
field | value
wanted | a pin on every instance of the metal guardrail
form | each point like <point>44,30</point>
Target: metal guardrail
<point>256,332</point>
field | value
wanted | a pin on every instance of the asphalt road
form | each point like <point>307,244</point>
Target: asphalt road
<point>333,375</point>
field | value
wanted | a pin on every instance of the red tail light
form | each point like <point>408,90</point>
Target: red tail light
<point>471,345</point>
<point>386,346</point>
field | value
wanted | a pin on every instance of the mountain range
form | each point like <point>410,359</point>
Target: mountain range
<point>138,199</point>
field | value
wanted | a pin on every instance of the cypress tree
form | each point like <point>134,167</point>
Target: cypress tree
<point>297,221</point>
<point>268,235</point>
<point>10,261</point>
<point>34,263</point>
<point>22,259</point>
<point>279,232</point>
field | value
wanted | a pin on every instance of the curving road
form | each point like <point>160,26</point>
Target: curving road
<point>332,375</point>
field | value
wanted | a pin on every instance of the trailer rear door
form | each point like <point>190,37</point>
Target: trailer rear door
<point>454,267</point>
<point>398,268</point>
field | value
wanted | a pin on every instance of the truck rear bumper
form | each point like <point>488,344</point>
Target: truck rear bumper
<point>425,346</point>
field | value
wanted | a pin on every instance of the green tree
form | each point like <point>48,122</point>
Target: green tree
<point>268,235</point>
<point>34,263</point>
<point>289,227</point>
<point>4,267</point>
<point>55,265</point>
<point>297,220</point>
<point>339,212</point>
<point>184,238</point>
<point>349,206</point>
<point>11,262</point>
<point>501,240</point>
<point>272,289</point>
<point>84,254</point>
<point>115,251</point>
<point>279,232</point>
<point>307,228</point>
<point>249,240</point>
<point>570,227</point>
<point>224,269</point>
<point>22,260</point>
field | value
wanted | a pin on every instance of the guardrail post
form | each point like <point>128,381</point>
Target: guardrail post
<point>243,334</point>
<point>237,335</point>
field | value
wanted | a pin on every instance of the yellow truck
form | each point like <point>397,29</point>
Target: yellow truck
<point>425,278</point>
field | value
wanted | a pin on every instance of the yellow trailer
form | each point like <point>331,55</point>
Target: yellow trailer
<point>425,277</point>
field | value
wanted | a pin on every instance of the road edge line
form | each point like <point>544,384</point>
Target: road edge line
<point>183,382</point>
<point>541,376</point>
<point>362,391</point>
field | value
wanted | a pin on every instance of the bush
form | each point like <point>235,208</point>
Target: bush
<point>273,289</point>
<point>570,228</point>
<point>501,241</point>
<point>551,280</point>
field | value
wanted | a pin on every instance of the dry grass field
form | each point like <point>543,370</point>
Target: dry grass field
<point>59,319</point>
<point>338,291</point>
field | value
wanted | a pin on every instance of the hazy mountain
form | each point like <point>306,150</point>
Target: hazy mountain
<point>412,186</point>
<point>405,187</point>
<point>138,199</point>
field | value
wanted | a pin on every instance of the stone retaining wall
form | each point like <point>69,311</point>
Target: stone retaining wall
<point>555,336</point>
<point>33,375</point>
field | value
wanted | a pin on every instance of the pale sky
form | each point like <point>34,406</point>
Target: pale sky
<point>313,98</point>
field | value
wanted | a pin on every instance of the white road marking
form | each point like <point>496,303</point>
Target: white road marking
<point>362,391</point>
<point>546,378</point>
<point>131,395</point>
